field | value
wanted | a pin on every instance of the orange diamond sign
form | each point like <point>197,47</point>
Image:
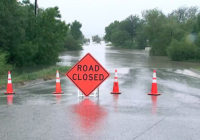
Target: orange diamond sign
<point>87,74</point>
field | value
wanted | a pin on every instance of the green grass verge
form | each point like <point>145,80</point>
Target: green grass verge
<point>198,69</point>
<point>20,77</point>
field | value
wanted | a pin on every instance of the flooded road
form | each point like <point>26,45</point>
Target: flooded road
<point>34,113</point>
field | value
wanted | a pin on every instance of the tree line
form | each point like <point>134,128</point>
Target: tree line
<point>96,38</point>
<point>27,39</point>
<point>176,35</point>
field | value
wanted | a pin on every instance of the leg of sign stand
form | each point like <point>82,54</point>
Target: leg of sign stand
<point>97,96</point>
<point>79,93</point>
<point>80,96</point>
<point>97,93</point>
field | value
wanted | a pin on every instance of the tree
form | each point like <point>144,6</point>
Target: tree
<point>154,25</point>
<point>168,35</point>
<point>96,39</point>
<point>75,30</point>
<point>4,67</point>
<point>183,14</point>
<point>130,25</point>
<point>109,30</point>
<point>34,40</point>
<point>72,44</point>
<point>126,34</point>
<point>119,38</point>
<point>51,34</point>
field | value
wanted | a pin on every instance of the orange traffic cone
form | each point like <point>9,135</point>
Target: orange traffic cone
<point>154,88</point>
<point>58,85</point>
<point>9,85</point>
<point>115,85</point>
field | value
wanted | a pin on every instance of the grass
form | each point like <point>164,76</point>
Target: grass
<point>198,68</point>
<point>20,77</point>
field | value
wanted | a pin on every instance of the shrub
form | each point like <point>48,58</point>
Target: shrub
<point>72,44</point>
<point>3,66</point>
<point>182,50</point>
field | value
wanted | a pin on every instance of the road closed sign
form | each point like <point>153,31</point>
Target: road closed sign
<point>87,74</point>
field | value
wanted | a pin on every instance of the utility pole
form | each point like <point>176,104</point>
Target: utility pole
<point>35,7</point>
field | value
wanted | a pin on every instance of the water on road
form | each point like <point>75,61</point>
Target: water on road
<point>34,113</point>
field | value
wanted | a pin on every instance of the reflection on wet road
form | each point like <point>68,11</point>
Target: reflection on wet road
<point>34,113</point>
<point>154,104</point>
<point>89,115</point>
<point>9,99</point>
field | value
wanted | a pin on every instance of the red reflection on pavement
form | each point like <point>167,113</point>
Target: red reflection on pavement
<point>58,98</point>
<point>9,99</point>
<point>89,114</point>
<point>154,104</point>
<point>116,97</point>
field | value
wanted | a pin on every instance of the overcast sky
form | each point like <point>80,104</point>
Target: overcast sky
<point>95,15</point>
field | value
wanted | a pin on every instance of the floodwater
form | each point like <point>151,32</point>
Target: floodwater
<point>34,113</point>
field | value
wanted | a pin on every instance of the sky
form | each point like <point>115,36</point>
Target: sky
<point>95,15</point>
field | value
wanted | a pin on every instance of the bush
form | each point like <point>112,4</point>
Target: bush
<point>182,50</point>
<point>197,41</point>
<point>25,54</point>
<point>3,66</point>
<point>119,38</point>
<point>72,44</point>
<point>129,44</point>
<point>159,47</point>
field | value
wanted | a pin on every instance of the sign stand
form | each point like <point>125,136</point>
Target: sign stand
<point>94,94</point>
<point>97,95</point>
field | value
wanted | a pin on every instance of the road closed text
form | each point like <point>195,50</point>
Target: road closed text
<point>83,70</point>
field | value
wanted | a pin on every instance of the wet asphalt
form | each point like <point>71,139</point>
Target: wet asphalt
<point>34,113</point>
